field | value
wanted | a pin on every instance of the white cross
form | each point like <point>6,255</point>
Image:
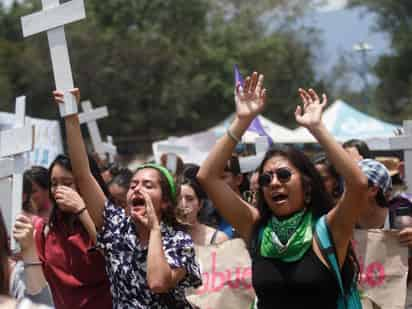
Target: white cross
<point>172,152</point>
<point>112,154</point>
<point>90,117</point>
<point>251,163</point>
<point>52,19</point>
<point>18,141</point>
<point>404,142</point>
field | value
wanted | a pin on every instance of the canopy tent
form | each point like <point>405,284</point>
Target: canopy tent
<point>195,147</point>
<point>344,122</point>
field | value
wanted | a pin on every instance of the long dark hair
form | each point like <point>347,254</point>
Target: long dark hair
<point>64,161</point>
<point>4,258</point>
<point>320,201</point>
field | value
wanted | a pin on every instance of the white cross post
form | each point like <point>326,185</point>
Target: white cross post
<point>250,163</point>
<point>404,142</point>
<point>52,19</point>
<point>90,117</point>
<point>13,144</point>
<point>172,152</point>
<point>112,154</point>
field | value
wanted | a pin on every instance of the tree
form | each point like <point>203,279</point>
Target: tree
<point>163,67</point>
<point>393,93</point>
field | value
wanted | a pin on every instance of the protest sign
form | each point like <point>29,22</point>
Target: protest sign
<point>226,272</point>
<point>384,268</point>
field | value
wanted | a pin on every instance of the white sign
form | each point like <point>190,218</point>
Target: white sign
<point>52,19</point>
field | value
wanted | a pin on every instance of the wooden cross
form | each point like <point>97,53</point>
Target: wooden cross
<point>90,117</point>
<point>112,154</point>
<point>52,19</point>
<point>18,140</point>
<point>172,151</point>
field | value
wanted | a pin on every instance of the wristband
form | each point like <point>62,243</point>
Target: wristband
<point>232,136</point>
<point>80,212</point>
<point>32,263</point>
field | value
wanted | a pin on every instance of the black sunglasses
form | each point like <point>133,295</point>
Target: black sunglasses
<point>283,174</point>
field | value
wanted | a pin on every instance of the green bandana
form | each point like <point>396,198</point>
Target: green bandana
<point>296,232</point>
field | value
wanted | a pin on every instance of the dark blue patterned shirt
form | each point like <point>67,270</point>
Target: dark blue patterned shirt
<point>126,263</point>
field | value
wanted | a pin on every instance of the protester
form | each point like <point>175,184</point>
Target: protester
<point>189,208</point>
<point>119,185</point>
<point>40,199</point>
<point>288,269</point>
<point>375,213</point>
<point>74,270</point>
<point>150,260</point>
<point>27,278</point>
<point>18,280</point>
<point>330,177</point>
<point>108,171</point>
<point>357,149</point>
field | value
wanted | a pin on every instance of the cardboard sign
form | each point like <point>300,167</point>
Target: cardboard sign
<point>227,276</point>
<point>384,268</point>
<point>226,272</point>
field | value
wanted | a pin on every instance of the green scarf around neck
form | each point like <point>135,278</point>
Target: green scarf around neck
<point>287,240</point>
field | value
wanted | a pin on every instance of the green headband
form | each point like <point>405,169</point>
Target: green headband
<point>165,172</point>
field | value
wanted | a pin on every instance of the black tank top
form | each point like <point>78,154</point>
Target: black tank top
<point>307,283</point>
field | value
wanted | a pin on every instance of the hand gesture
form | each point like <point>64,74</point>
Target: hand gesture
<point>23,233</point>
<point>250,99</point>
<point>148,218</point>
<point>311,114</point>
<point>59,95</point>
<point>68,199</point>
<point>405,237</point>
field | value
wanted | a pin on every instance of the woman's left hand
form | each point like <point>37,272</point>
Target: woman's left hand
<point>68,199</point>
<point>310,115</point>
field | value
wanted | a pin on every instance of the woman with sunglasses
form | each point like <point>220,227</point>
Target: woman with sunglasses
<point>288,269</point>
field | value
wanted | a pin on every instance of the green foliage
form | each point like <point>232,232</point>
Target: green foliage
<point>162,67</point>
<point>394,70</point>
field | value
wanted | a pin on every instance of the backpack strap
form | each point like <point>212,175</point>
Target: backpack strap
<point>323,238</point>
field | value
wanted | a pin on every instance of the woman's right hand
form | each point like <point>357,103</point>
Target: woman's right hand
<point>69,200</point>
<point>23,232</point>
<point>251,98</point>
<point>58,95</point>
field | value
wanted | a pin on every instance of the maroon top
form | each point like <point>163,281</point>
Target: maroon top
<point>76,275</point>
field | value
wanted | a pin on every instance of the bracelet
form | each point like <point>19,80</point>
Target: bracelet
<point>80,212</point>
<point>28,264</point>
<point>232,136</point>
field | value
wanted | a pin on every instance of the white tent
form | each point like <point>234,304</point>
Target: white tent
<point>195,147</point>
<point>344,122</point>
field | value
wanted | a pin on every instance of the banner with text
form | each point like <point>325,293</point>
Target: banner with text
<point>226,272</point>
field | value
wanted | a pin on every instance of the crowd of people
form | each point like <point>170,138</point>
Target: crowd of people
<point>95,236</point>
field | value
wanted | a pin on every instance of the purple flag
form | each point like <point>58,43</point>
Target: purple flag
<point>255,126</point>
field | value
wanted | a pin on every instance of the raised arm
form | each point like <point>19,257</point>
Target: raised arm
<point>250,101</point>
<point>343,217</point>
<point>34,280</point>
<point>90,190</point>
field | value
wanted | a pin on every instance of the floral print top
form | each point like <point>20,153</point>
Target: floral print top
<point>126,263</point>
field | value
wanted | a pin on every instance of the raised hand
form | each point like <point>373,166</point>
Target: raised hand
<point>148,217</point>
<point>68,200</point>
<point>59,96</point>
<point>23,233</point>
<point>250,99</point>
<point>310,115</point>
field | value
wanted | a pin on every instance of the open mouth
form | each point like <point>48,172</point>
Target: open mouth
<point>279,197</point>
<point>138,202</point>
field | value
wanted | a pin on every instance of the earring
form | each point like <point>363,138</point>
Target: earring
<point>307,198</point>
